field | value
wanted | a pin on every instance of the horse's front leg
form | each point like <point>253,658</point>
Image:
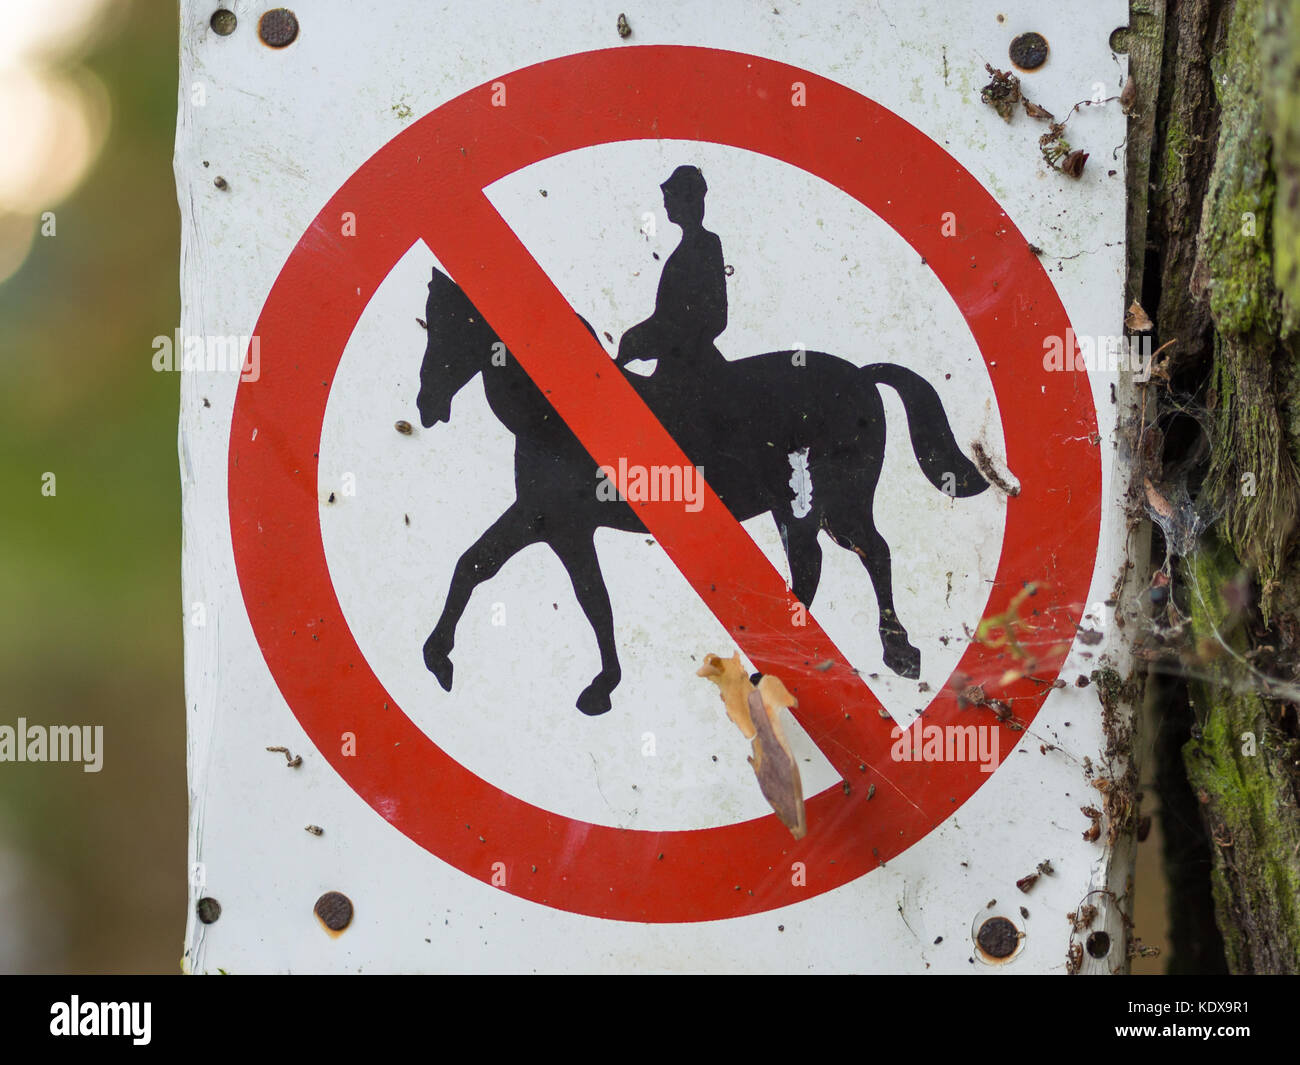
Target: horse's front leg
<point>577,553</point>
<point>505,538</point>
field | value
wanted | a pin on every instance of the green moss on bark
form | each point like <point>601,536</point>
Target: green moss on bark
<point>1280,59</point>
<point>1240,768</point>
<point>1235,249</point>
<point>1178,144</point>
<point>1252,474</point>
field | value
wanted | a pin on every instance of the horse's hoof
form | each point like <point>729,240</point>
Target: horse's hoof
<point>901,656</point>
<point>594,700</point>
<point>438,664</point>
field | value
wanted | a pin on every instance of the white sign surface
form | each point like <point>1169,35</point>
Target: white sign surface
<point>392,568</point>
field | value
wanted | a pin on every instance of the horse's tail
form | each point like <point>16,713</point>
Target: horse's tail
<point>936,450</point>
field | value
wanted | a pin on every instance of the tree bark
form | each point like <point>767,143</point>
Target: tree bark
<point>1214,167</point>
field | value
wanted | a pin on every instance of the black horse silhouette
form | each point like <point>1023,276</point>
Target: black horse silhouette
<point>761,411</point>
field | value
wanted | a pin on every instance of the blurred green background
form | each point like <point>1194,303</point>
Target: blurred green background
<point>92,865</point>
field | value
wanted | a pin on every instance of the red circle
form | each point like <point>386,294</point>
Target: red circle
<point>572,102</point>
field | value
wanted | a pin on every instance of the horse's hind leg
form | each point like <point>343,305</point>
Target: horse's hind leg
<point>864,539</point>
<point>799,537</point>
<point>505,538</point>
<point>577,552</point>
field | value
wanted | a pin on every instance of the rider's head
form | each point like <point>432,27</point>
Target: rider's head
<point>684,196</point>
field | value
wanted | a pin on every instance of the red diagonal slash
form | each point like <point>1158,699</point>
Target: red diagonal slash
<point>710,548</point>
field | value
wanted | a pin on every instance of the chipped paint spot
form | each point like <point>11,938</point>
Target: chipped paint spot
<point>800,483</point>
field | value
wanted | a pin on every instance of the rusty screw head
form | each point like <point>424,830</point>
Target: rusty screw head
<point>223,22</point>
<point>208,909</point>
<point>1029,51</point>
<point>334,910</point>
<point>998,938</point>
<point>278,28</point>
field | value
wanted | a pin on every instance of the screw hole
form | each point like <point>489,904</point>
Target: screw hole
<point>1098,944</point>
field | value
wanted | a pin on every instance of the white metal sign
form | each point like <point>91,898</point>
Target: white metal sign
<point>533,354</point>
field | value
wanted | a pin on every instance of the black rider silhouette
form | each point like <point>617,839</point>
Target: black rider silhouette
<point>691,304</point>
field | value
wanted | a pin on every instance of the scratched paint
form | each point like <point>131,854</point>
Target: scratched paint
<point>808,269</point>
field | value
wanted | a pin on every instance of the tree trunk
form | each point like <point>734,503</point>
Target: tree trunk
<point>1214,168</point>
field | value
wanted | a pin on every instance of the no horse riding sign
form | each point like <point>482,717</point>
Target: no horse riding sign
<point>587,356</point>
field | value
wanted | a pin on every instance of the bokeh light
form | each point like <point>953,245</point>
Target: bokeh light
<point>54,114</point>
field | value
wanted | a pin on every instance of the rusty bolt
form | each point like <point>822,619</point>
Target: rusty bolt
<point>403,427</point>
<point>223,22</point>
<point>334,910</point>
<point>998,938</point>
<point>208,909</point>
<point>278,28</point>
<point>1029,51</point>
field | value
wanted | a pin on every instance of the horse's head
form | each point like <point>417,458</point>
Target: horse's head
<point>459,344</point>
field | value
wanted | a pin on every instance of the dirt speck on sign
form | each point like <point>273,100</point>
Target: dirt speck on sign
<point>1002,93</point>
<point>990,472</point>
<point>293,761</point>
